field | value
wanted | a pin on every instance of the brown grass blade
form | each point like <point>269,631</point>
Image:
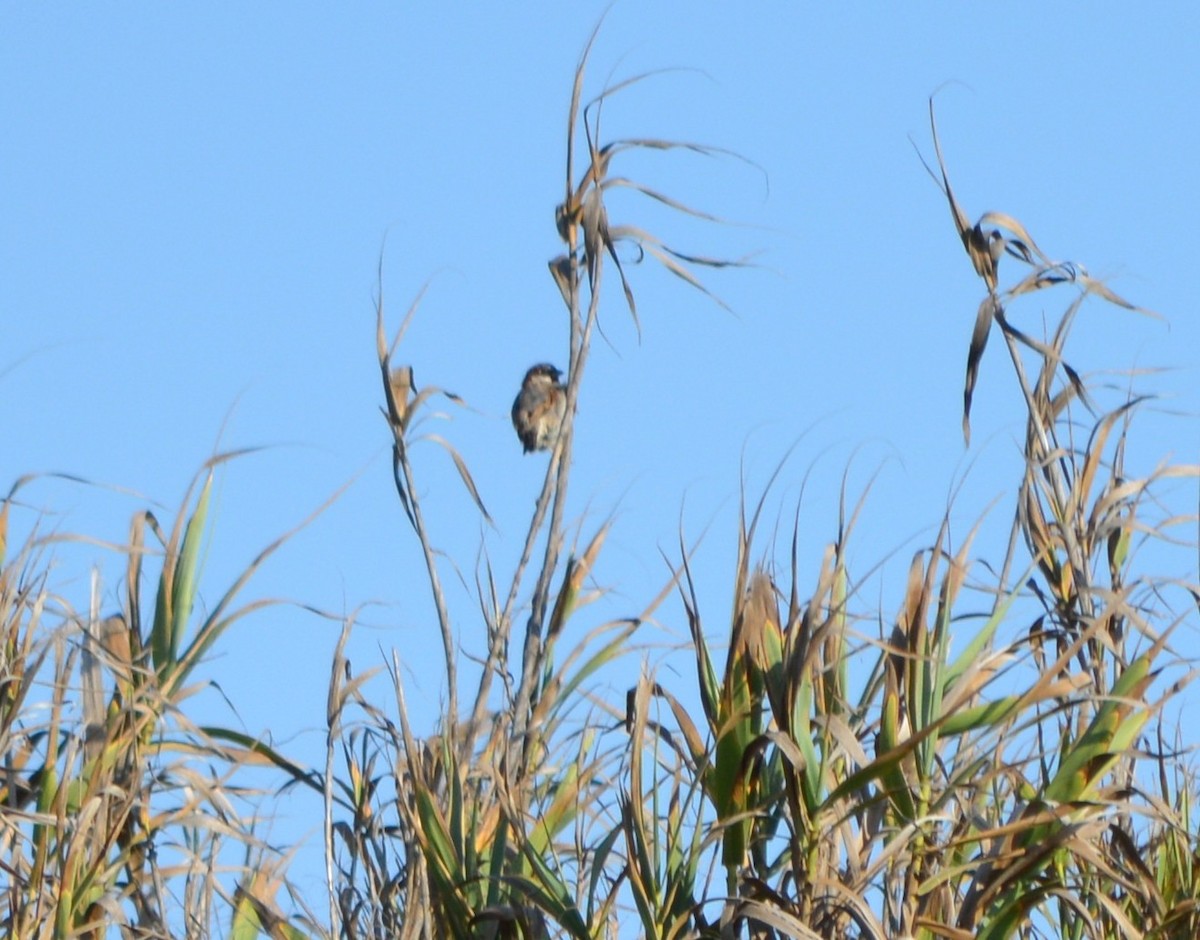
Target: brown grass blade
<point>573,111</point>
<point>401,489</point>
<point>1024,246</point>
<point>463,473</point>
<point>564,274</point>
<point>666,258</point>
<point>983,249</point>
<point>398,389</point>
<point>979,338</point>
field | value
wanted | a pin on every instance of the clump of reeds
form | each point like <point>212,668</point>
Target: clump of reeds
<point>116,811</point>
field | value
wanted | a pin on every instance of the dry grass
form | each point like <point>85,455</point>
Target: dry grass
<point>119,811</point>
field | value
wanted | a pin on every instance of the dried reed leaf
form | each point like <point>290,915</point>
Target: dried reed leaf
<point>913,609</point>
<point>1093,286</point>
<point>1083,487</point>
<point>777,917</point>
<point>117,639</point>
<point>620,181</point>
<point>1044,277</point>
<point>1022,246</point>
<point>681,272</point>
<point>562,269</point>
<point>401,490</point>
<point>984,249</point>
<point>577,571</point>
<point>429,391</point>
<point>979,338</point>
<point>573,114</point>
<point>92,693</point>
<point>399,386</point>
<point>656,143</point>
<point>597,238</point>
<point>464,474</point>
<point>601,157</point>
<point>697,750</point>
<point>408,315</point>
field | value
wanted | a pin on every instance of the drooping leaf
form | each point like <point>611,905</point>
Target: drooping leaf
<point>979,338</point>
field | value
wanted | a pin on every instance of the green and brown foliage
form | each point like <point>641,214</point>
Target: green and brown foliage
<point>117,808</point>
<point>985,756</point>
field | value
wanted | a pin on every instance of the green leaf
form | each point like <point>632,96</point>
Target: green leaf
<point>187,570</point>
<point>1111,731</point>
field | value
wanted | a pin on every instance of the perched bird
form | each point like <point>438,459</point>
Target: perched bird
<point>538,410</point>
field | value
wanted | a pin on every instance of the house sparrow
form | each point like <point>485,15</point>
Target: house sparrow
<point>538,410</point>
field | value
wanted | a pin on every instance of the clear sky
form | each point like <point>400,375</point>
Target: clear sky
<point>193,203</point>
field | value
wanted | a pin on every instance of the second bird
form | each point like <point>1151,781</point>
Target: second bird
<point>537,412</point>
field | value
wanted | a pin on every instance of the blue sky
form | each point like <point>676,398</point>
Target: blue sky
<point>194,202</point>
